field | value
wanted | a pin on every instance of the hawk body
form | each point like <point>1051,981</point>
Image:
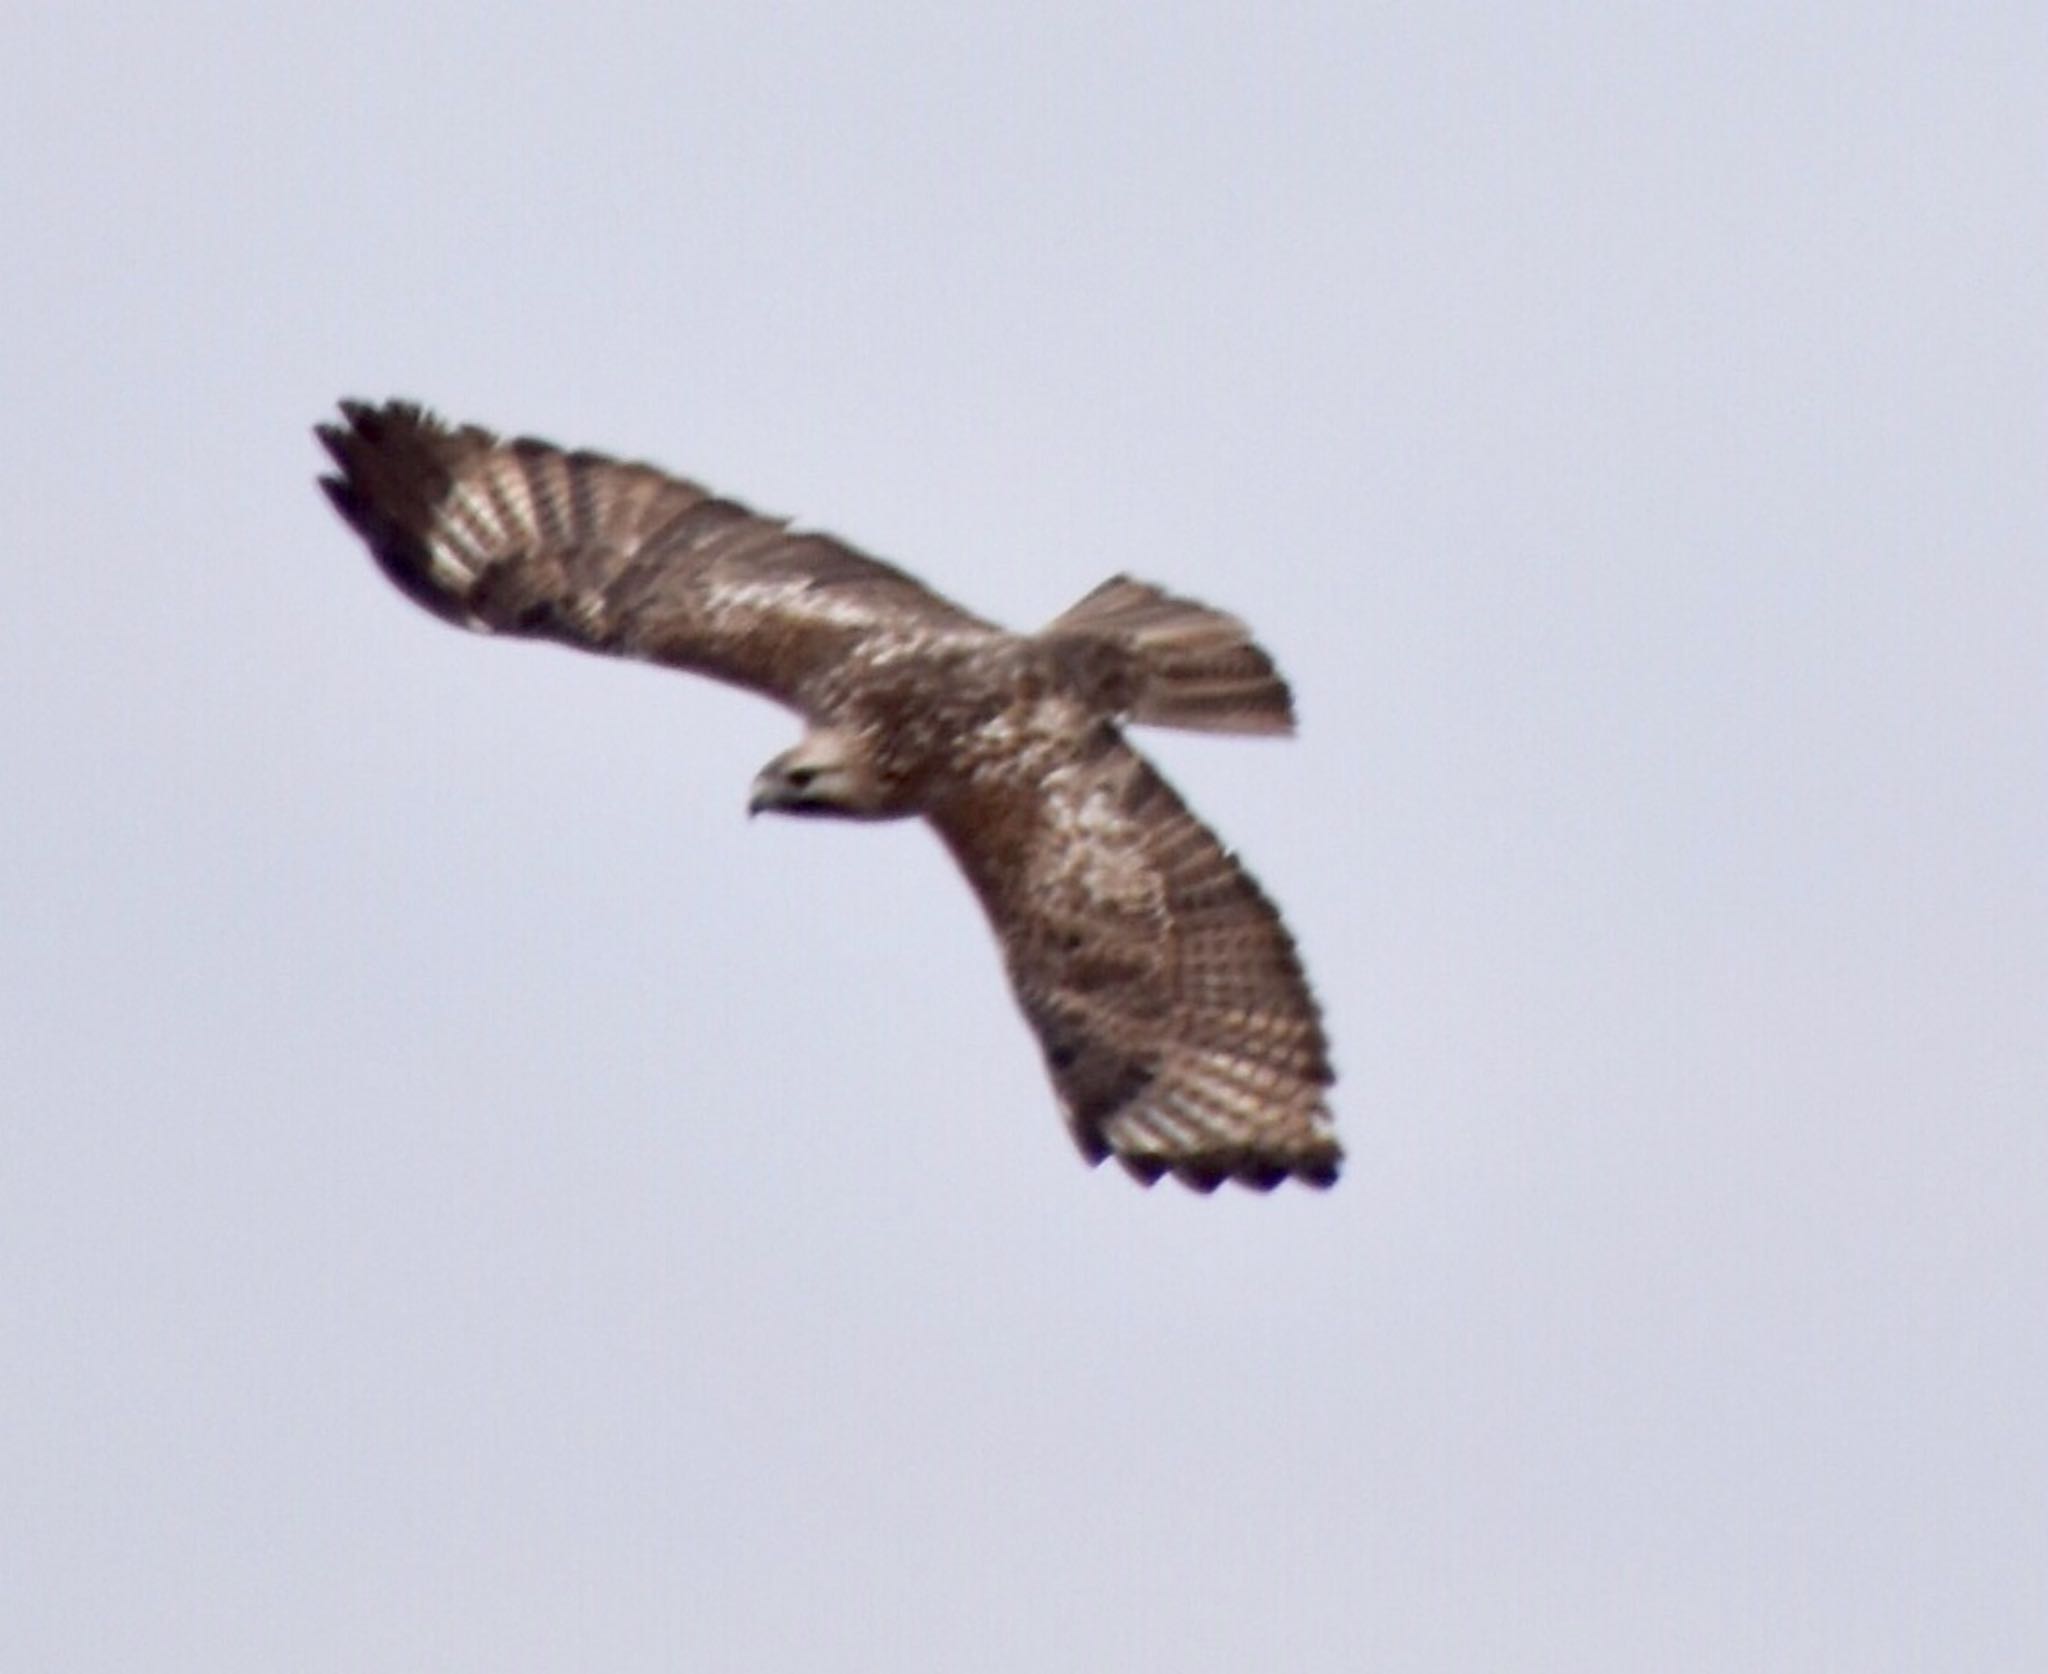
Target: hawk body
<point>1175,1019</point>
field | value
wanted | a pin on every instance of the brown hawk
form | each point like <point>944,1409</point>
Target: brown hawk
<point>1177,1025</point>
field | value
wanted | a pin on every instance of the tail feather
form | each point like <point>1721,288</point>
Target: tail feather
<point>1195,667</point>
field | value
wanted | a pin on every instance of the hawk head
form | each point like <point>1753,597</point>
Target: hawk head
<point>826,772</point>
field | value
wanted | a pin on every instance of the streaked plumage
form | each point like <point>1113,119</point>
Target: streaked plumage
<point>1177,1025</point>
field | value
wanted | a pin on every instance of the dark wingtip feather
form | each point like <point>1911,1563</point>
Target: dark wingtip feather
<point>391,469</point>
<point>1145,1170</point>
<point>375,424</point>
<point>344,499</point>
<point>1321,1175</point>
<point>1254,1173</point>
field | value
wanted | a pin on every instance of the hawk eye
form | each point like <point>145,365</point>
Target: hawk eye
<point>800,777</point>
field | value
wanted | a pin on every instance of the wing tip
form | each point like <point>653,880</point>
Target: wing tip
<point>392,462</point>
<point>372,422</point>
<point>1260,1172</point>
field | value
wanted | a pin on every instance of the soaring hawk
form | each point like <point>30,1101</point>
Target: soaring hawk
<point>1176,1023</point>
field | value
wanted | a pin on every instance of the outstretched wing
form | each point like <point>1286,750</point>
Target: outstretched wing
<point>1176,1021</point>
<point>521,537</point>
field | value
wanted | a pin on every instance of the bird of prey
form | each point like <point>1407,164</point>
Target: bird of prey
<point>1176,1023</point>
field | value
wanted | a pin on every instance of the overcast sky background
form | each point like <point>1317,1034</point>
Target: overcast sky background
<point>471,1201</point>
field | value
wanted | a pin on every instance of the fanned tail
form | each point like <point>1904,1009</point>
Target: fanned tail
<point>1195,667</point>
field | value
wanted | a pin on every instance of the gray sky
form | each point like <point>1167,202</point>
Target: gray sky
<point>470,1201</point>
